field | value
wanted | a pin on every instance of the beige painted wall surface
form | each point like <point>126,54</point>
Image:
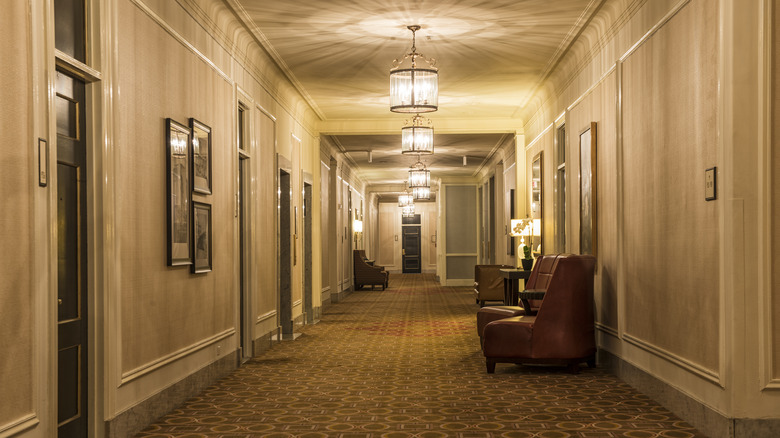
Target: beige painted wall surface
<point>265,237</point>
<point>598,106</point>
<point>324,222</point>
<point>542,145</point>
<point>389,228</point>
<point>17,174</point>
<point>166,309</point>
<point>775,201</point>
<point>671,232</point>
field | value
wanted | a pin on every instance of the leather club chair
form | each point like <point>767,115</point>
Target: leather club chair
<point>366,274</point>
<point>488,283</point>
<point>561,333</point>
<point>363,254</point>
<point>539,279</point>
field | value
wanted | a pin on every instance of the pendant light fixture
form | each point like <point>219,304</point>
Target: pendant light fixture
<point>417,136</point>
<point>419,176</point>
<point>421,193</point>
<point>405,199</point>
<point>414,89</point>
<point>407,211</point>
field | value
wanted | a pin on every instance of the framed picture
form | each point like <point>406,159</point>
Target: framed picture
<point>177,143</point>
<point>510,241</point>
<point>588,229</point>
<point>201,237</point>
<point>201,157</point>
<point>537,169</point>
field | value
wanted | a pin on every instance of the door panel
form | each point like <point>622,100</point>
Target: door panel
<point>411,249</point>
<point>71,258</point>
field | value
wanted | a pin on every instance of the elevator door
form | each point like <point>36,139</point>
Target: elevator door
<point>71,258</point>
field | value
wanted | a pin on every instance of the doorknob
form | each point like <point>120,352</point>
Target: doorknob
<point>403,252</point>
<point>59,301</point>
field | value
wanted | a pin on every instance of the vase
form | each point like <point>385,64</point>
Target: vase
<point>527,264</point>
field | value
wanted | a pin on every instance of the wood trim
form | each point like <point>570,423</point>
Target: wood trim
<point>19,425</point>
<point>145,369</point>
<point>698,370</point>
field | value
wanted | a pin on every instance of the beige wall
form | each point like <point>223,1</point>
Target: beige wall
<point>774,204</point>
<point>18,178</point>
<point>150,325</point>
<point>658,79</point>
<point>669,139</point>
<point>596,106</point>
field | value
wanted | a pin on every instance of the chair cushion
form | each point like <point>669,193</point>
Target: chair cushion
<point>487,315</point>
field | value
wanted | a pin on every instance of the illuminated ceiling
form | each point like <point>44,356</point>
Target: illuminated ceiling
<point>491,54</point>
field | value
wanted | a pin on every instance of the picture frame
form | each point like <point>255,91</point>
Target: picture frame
<point>537,201</point>
<point>201,157</point>
<point>201,237</point>
<point>510,241</point>
<point>588,192</point>
<point>178,186</point>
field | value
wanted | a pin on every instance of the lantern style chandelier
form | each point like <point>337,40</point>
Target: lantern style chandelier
<point>417,136</point>
<point>419,176</point>
<point>421,193</point>
<point>407,211</point>
<point>414,89</point>
<point>405,199</point>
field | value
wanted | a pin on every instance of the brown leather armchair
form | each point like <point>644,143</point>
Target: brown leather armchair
<point>562,332</point>
<point>369,263</point>
<point>366,274</point>
<point>539,279</point>
<point>488,283</point>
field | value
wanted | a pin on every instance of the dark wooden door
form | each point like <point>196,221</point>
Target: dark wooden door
<point>71,258</point>
<point>412,262</point>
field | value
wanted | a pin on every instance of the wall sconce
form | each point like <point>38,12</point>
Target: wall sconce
<point>357,229</point>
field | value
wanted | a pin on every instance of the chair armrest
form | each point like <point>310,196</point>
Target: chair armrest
<point>532,294</point>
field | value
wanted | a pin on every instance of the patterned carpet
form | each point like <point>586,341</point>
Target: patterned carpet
<point>406,362</point>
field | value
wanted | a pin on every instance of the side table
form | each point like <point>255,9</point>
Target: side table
<point>512,284</point>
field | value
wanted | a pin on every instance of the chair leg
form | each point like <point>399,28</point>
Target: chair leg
<point>591,362</point>
<point>491,366</point>
<point>573,368</point>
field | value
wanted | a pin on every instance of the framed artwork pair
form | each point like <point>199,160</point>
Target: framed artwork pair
<point>188,171</point>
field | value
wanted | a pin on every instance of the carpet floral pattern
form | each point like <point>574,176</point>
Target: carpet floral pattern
<point>406,362</point>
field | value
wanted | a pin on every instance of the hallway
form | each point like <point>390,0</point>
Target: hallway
<point>406,362</point>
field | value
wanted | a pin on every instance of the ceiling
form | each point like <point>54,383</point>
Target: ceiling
<point>491,55</point>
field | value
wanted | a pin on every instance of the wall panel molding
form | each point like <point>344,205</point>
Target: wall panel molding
<point>180,38</point>
<point>267,315</point>
<point>607,329</point>
<point>661,23</point>
<point>19,425</point>
<point>134,374</point>
<point>767,132</point>
<point>696,369</point>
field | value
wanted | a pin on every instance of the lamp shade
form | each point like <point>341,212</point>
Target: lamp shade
<point>357,226</point>
<point>419,176</point>
<point>414,89</point>
<point>417,137</point>
<point>421,193</point>
<point>405,199</point>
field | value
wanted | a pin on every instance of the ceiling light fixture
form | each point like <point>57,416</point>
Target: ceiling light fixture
<point>421,193</point>
<point>417,136</point>
<point>407,211</point>
<point>419,176</point>
<point>405,199</point>
<point>414,89</point>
